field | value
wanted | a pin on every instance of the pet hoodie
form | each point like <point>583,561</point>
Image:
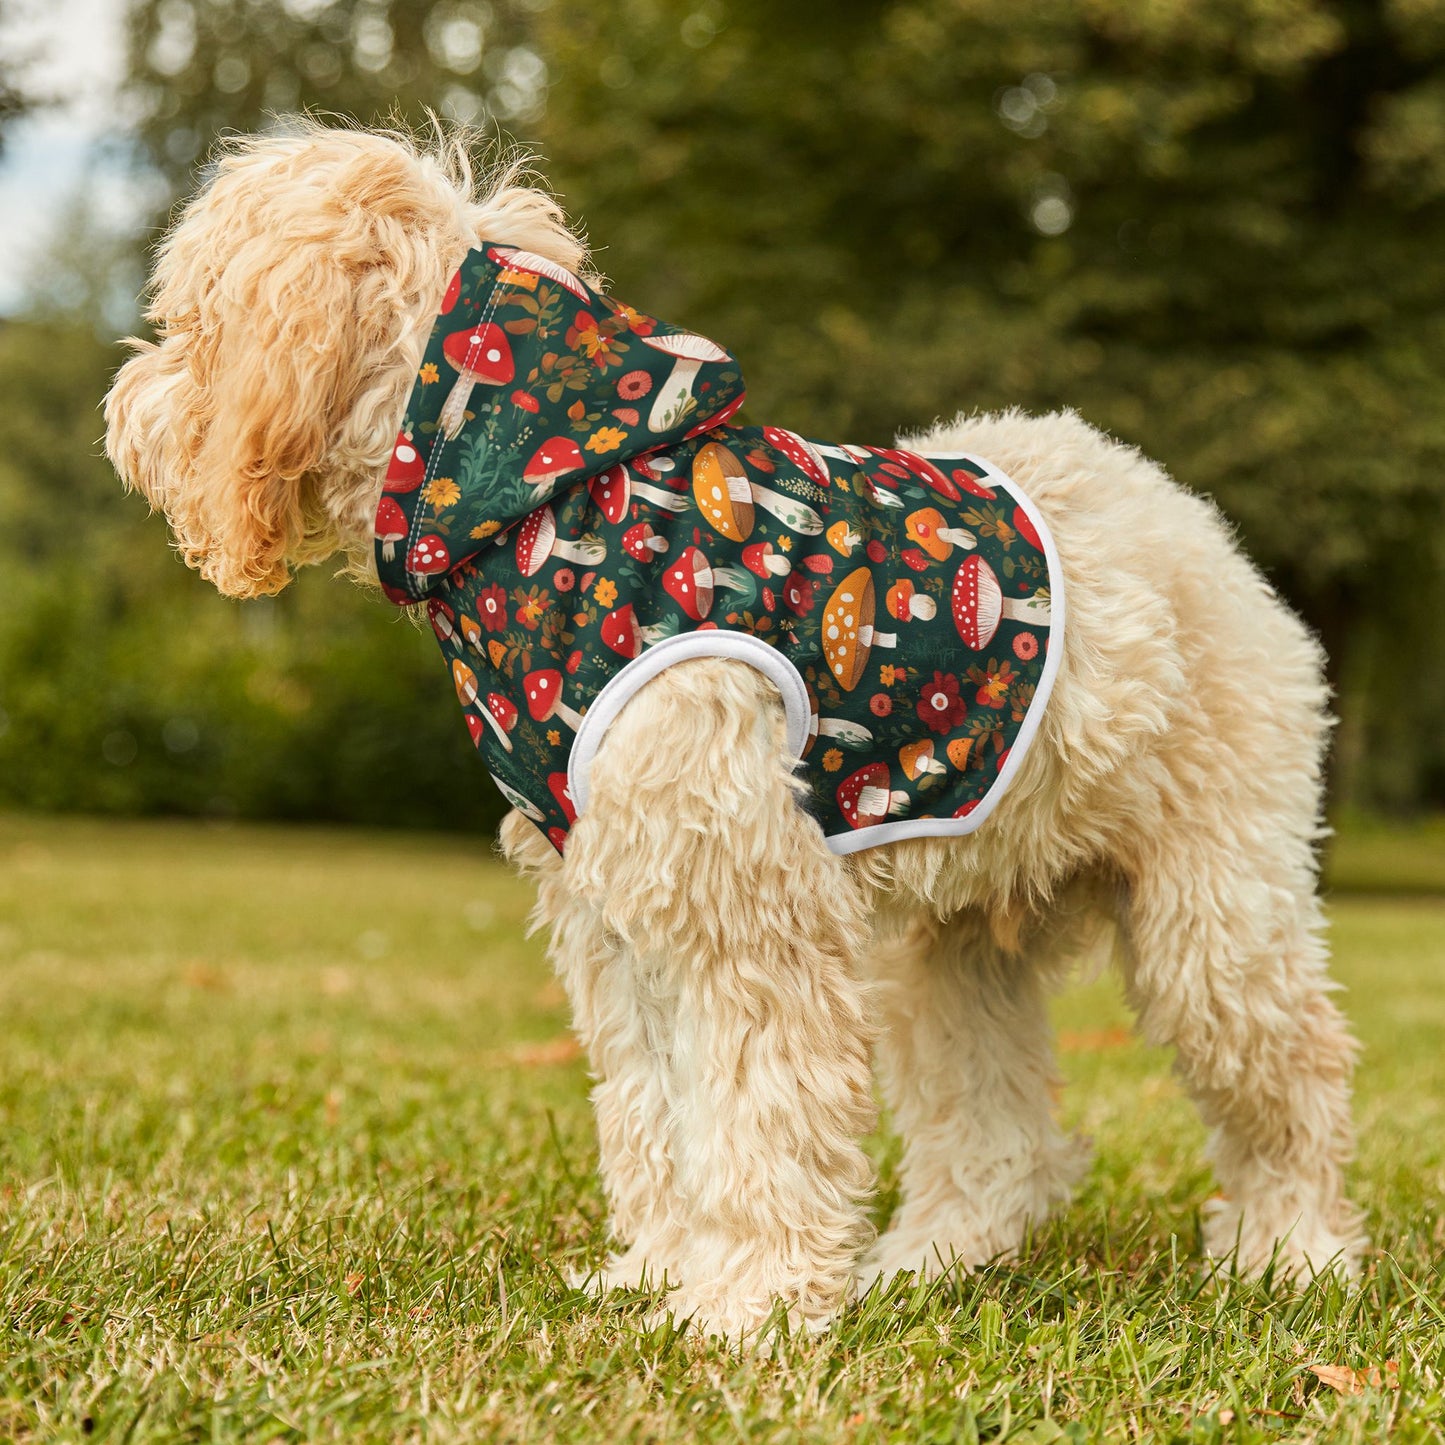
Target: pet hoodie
<point>569,499</point>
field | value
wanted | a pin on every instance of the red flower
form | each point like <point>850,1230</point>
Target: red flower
<point>798,594</point>
<point>492,608</point>
<point>563,579</point>
<point>634,386</point>
<point>769,601</point>
<point>877,552</point>
<point>939,705</point>
<point>880,704</point>
<point>1026,646</point>
<point>526,401</point>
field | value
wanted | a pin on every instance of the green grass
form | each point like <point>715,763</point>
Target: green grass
<point>288,1151</point>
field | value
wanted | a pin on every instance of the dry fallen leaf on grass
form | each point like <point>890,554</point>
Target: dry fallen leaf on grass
<point>1347,1381</point>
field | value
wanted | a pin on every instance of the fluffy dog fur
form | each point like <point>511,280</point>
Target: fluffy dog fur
<point>731,990</point>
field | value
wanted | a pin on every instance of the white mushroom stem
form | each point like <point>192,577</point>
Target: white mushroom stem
<point>1033,610</point>
<point>733,580</point>
<point>879,802</point>
<point>674,393</point>
<point>921,607</point>
<point>868,638</point>
<point>794,515</point>
<point>930,765</point>
<point>846,732</point>
<point>839,454</point>
<point>966,540</point>
<point>590,551</point>
<point>565,714</point>
<point>497,728</point>
<point>670,501</point>
<point>882,497</point>
<point>453,414</point>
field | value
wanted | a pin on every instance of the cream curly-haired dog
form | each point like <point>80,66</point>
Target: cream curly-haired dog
<point>730,977</point>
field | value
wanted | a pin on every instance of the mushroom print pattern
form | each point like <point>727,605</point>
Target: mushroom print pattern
<point>570,488</point>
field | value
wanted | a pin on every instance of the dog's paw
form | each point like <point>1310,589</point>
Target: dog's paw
<point>753,1324</point>
<point>1298,1248</point>
<point>633,1270</point>
<point>897,1254</point>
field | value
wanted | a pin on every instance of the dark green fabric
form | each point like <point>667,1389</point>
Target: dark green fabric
<point>591,500</point>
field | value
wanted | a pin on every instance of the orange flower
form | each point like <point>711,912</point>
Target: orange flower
<point>832,760</point>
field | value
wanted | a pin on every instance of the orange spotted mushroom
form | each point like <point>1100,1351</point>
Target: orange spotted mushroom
<point>727,496</point>
<point>848,635</point>
<point>928,530</point>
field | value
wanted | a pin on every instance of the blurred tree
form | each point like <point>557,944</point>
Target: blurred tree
<point>14,99</point>
<point>202,67</point>
<point>1216,227</point>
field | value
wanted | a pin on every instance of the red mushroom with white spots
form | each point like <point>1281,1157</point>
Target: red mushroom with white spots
<point>501,716</point>
<point>867,797</point>
<point>765,561</point>
<point>543,690</point>
<point>391,526</point>
<point>537,542</point>
<point>454,290</point>
<point>801,452</point>
<point>529,263</point>
<point>642,544</point>
<point>689,583</point>
<point>555,458</point>
<point>614,489</point>
<point>406,471</point>
<point>920,469</point>
<point>727,495</point>
<point>443,620</point>
<point>688,352</point>
<point>481,353</point>
<point>559,789</point>
<point>979,604</point>
<point>711,423</point>
<point>428,558</point>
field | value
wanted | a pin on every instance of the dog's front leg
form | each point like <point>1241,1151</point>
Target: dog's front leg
<point>736,932</point>
<point>622,1013</point>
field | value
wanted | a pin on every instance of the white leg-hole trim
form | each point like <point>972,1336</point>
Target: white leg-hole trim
<point>619,691</point>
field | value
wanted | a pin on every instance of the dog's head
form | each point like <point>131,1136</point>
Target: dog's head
<point>291,301</point>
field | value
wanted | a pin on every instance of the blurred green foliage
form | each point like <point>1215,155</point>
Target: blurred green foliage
<point>1214,227</point>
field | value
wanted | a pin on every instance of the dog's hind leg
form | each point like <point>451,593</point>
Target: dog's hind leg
<point>966,1060</point>
<point>1225,961</point>
<point>737,932</point>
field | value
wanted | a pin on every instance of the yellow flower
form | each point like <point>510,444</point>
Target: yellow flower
<point>441,492</point>
<point>484,529</point>
<point>554,737</point>
<point>786,543</point>
<point>832,760</point>
<point>429,374</point>
<point>886,675</point>
<point>606,439</point>
<point>605,592</point>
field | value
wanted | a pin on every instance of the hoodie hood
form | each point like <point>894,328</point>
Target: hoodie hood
<point>518,340</point>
